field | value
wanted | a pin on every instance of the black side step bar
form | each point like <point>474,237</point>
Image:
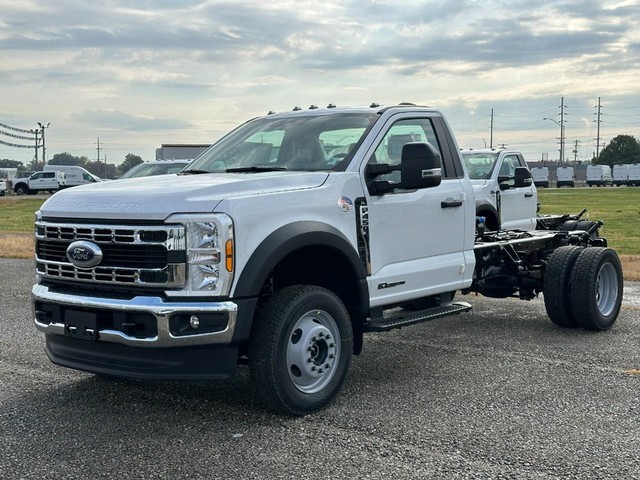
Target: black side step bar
<point>404,318</point>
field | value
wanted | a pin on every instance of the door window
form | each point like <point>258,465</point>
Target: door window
<point>405,131</point>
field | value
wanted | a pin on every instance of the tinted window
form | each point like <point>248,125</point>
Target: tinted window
<point>389,150</point>
<point>296,142</point>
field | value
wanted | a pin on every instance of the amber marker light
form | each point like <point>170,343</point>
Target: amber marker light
<point>228,250</point>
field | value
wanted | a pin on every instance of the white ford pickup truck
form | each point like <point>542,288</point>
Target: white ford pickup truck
<point>498,200</point>
<point>50,181</point>
<point>283,244</point>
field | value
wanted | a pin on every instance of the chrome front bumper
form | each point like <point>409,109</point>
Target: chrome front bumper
<point>160,309</point>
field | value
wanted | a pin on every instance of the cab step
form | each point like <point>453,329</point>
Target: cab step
<point>404,318</point>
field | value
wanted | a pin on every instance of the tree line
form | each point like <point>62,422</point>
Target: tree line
<point>100,169</point>
<point>621,149</point>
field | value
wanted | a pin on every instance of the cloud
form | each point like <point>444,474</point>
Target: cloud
<point>115,120</point>
<point>154,66</point>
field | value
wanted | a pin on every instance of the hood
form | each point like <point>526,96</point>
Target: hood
<point>157,197</point>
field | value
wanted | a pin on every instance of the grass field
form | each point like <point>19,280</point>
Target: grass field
<point>618,208</point>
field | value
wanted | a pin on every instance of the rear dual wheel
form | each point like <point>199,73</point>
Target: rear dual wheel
<point>596,290</point>
<point>583,287</point>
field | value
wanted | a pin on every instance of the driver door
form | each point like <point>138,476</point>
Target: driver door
<point>416,236</point>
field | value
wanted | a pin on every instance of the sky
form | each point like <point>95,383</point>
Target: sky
<point>136,74</point>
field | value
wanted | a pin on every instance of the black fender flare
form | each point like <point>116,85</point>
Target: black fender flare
<point>288,239</point>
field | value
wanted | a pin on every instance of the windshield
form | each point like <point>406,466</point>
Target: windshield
<point>479,165</point>
<point>297,142</point>
<point>148,169</point>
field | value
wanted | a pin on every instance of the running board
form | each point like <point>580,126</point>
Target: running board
<point>405,318</point>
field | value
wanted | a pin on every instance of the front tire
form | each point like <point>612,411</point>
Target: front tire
<point>300,349</point>
<point>597,284</point>
<point>21,190</point>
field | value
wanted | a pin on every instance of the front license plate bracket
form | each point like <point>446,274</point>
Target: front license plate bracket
<point>82,325</point>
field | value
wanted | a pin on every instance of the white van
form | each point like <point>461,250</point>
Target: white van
<point>599,175</point>
<point>75,175</point>
<point>566,177</point>
<point>634,175</point>
<point>620,174</point>
<point>540,176</point>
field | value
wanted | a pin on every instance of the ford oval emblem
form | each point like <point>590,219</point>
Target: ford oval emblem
<point>84,254</point>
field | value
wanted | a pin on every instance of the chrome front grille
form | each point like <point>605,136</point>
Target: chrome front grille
<point>153,256</point>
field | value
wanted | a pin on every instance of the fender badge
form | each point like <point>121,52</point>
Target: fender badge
<point>345,204</point>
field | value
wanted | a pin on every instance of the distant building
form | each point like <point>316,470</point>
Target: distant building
<point>180,151</point>
<point>8,173</point>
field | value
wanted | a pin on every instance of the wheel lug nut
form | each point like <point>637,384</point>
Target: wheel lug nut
<point>327,366</point>
<point>320,371</point>
<point>314,339</point>
<point>313,369</point>
<point>331,345</point>
<point>332,356</point>
<point>328,336</point>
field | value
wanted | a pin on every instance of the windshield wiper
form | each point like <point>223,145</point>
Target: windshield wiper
<point>193,172</point>
<point>255,168</point>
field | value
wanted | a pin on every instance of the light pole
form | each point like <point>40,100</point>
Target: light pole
<point>44,151</point>
<point>561,125</point>
<point>37,146</point>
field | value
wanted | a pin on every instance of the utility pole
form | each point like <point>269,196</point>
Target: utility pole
<point>98,148</point>
<point>44,149</point>
<point>35,132</point>
<point>575,152</point>
<point>562,131</point>
<point>598,130</point>
<point>491,137</point>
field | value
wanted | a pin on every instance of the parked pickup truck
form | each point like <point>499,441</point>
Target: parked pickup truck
<point>51,181</point>
<point>498,199</point>
<point>287,241</point>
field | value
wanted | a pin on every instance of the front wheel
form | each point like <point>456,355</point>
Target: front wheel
<point>21,190</point>
<point>596,293</point>
<point>300,349</point>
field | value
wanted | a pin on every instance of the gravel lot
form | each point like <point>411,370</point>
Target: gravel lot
<point>497,393</point>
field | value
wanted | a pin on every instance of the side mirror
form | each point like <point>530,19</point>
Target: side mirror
<point>522,177</point>
<point>420,166</point>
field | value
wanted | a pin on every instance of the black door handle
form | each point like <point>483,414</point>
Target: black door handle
<point>451,204</point>
<point>528,195</point>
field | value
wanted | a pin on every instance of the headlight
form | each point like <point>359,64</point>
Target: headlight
<point>210,250</point>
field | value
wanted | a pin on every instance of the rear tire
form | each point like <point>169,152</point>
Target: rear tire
<point>597,284</point>
<point>556,287</point>
<point>300,349</point>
